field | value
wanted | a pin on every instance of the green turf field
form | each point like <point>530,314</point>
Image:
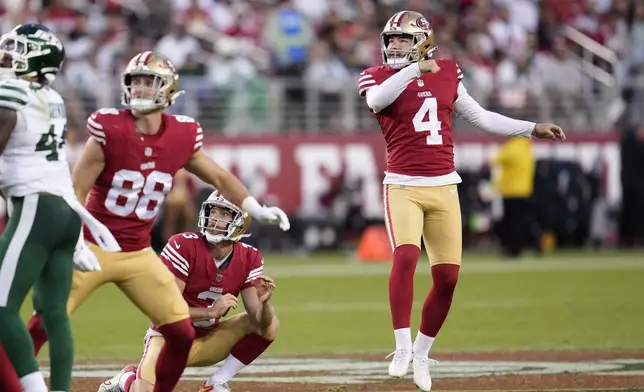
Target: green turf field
<point>331,304</point>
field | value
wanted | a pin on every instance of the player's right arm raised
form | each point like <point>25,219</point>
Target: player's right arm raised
<point>380,96</point>
<point>224,181</point>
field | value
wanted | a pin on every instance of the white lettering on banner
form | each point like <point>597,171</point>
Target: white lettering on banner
<point>261,162</point>
<point>319,164</point>
<point>255,163</point>
<point>300,173</point>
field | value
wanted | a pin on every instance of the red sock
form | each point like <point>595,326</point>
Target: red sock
<point>401,284</point>
<point>174,354</point>
<point>439,299</point>
<point>9,380</point>
<point>37,332</point>
<point>250,348</point>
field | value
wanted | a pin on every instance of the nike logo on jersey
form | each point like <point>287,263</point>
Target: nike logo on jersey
<point>176,245</point>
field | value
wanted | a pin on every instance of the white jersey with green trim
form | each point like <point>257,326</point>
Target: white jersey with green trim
<point>34,159</point>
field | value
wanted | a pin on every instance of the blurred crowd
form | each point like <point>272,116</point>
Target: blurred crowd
<point>229,52</point>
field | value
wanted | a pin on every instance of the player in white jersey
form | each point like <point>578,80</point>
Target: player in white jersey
<point>41,241</point>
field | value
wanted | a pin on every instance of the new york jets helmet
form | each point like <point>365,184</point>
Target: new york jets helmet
<point>32,52</point>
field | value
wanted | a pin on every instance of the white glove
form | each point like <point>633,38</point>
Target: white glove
<point>271,215</point>
<point>84,259</point>
<point>274,215</point>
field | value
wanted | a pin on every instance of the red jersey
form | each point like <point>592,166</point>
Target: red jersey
<point>138,172</point>
<point>189,258</point>
<point>417,126</point>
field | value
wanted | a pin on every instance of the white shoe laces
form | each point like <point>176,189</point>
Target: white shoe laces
<point>424,362</point>
<point>399,354</point>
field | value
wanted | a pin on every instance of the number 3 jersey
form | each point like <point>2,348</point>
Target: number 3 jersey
<point>188,257</point>
<point>34,160</point>
<point>138,173</point>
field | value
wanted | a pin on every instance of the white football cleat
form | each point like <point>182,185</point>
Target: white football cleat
<point>219,387</point>
<point>400,364</point>
<point>422,379</point>
<point>112,385</point>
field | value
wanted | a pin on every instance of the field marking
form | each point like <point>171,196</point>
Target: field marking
<point>351,371</point>
<point>380,306</point>
<point>473,267</point>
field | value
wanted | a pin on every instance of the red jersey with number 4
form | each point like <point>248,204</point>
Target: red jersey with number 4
<point>189,258</point>
<point>417,126</point>
<point>138,173</point>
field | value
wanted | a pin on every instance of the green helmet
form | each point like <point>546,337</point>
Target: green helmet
<point>33,52</point>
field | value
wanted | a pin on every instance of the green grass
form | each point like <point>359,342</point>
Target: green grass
<point>329,304</point>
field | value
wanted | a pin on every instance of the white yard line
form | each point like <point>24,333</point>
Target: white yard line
<point>471,267</point>
<point>351,371</point>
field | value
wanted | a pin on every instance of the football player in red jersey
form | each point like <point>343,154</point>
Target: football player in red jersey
<point>125,172</point>
<point>211,289</point>
<point>413,98</point>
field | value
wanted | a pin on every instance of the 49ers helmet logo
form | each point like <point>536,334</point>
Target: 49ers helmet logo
<point>170,66</point>
<point>423,23</point>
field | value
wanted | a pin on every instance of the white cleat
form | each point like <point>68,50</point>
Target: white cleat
<point>219,387</point>
<point>112,385</point>
<point>422,379</point>
<point>400,364</point>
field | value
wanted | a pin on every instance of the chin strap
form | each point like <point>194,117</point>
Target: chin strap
<point>217,238</point>
<point>174,96</point>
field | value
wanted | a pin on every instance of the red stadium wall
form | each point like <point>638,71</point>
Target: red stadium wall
<point>297,171</point>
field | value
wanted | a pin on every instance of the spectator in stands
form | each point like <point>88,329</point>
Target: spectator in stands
<point>177,45</point>
<point>273,41</point>
<point>288,35</point>
<point>506,36</point>
<point>327,76</point>
<point>561,80</point>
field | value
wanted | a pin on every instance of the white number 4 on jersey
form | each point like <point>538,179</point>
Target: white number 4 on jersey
<point>429,109</point>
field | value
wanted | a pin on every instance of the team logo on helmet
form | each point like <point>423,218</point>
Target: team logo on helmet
<point>170,66</point>
<point>423,23</point>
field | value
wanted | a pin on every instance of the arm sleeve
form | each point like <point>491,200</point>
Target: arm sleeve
<point>256,269</point>
<point>470,110</point>
<point>379,96</point>
<point>175,256</point>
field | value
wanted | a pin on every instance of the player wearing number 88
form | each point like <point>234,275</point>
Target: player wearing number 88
<point>212,269</point>
<point>413,97</point>
<point>124,174</point>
